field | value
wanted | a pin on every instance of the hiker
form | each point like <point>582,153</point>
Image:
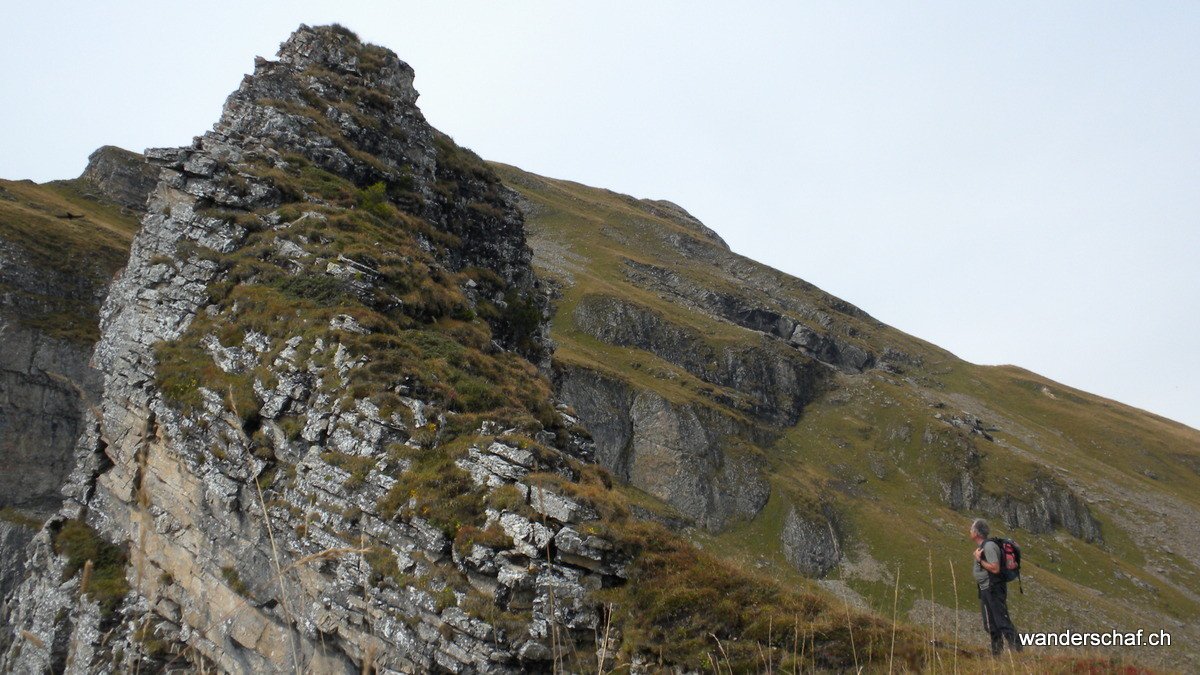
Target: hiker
<point>993,590</point>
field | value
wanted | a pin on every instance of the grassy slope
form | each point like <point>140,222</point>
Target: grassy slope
<point>89,250</point>
<point>863,444</point>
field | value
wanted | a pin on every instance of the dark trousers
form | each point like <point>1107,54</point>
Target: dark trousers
<point>993,601</point>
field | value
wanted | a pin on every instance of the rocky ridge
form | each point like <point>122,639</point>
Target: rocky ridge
<point>182,488</point>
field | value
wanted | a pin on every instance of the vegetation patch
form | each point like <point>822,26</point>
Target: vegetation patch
<point>435,490</point>
<point>383,566</point>
<point>72,257</point>
<point>470,536</point>
<point>358,467</point>
<point>82,545</point>
<point>16,517</point>
<point>694,609</point>
<point>234,580</point>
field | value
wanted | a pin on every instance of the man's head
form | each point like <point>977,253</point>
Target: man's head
<point>980,530</point>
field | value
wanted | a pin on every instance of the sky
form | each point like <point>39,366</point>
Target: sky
<point>1016,182</point>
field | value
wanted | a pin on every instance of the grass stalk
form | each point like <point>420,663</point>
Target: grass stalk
<point>724,654</point>
<point>33,639</point>
<point>770,655</point>
<point>845,597</point>
<point>368,664</point>
<point>602,657</point>
<point>86,579</point>
<point>283,601</point>
<point>954,583</point>
<point>895,605</point>
<point>795,639</point>
<point>937,655</point>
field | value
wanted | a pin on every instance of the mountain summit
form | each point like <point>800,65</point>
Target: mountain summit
<point>370,403</point>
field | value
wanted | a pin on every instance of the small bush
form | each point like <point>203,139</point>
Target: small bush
<point>374,200</point>
<point>320,289</point>
<point>509,498</point>
<point>469,536</point>
<point>343,31</point>
<point>234,580</point>
<point>383,566</point>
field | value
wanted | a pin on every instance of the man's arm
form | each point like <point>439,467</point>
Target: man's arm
<point>989,557</point>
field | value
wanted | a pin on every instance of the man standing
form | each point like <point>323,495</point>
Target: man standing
<point>993,591</point>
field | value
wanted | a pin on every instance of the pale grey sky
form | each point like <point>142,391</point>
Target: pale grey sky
<point>1016,182</point>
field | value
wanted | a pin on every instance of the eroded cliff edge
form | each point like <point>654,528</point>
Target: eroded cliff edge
<point>60,245</point>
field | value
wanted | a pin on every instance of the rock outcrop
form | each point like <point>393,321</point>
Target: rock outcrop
<point>1045,505</point>
<point>1036,501</point>
<point>120,176</point>
<point>775,383</point>
<point>813,331</point>
<point>810,542</point>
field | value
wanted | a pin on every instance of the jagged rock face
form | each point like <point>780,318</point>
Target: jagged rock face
<point>685,455</point>
<point>14,538</point>
<point>810,542</point>
<point>281,512</point>
<point>819,343</point>
<point>1044,504</point>
<point>777,384</point>
<point>1050,505</point>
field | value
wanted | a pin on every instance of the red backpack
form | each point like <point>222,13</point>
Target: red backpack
<point>1010,561</point>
